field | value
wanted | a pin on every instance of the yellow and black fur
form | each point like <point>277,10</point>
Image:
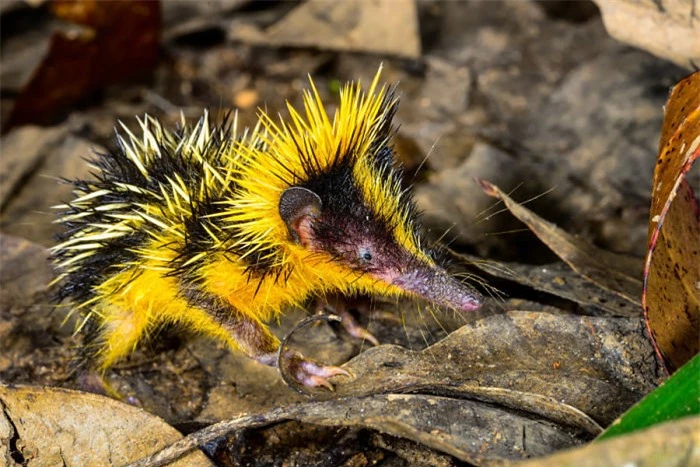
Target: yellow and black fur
<point>221,231</point>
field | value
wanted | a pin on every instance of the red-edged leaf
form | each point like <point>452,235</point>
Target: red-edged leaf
<point>671,296</point>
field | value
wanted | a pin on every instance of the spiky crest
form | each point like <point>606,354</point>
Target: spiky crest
<point>309,146</point>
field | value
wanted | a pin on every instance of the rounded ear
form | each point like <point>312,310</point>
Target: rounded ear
<point>296,204</point>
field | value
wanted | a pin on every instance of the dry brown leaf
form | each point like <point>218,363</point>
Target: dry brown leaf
<point>601,366</point>
<point>24,151</point>
<point>672,271</point>
<point>51,426</point>
<point>672,443</point>
<point>34,160</point>
<point>533,380</point>
<point>614,272</point>
<point>468,430</point>
<point>117,41</point>
<point>381,27</point>
<point>556,279</point>
<point>25,272</point>
<point>668,29</point>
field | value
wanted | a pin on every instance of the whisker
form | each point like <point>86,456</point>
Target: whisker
<point>504,232</point>
<point>505,209</point>
<point>439,239</point>
<point>497,202</point>
<point>431,310</point>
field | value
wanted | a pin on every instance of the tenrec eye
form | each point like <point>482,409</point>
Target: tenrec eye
<point>365,255</point>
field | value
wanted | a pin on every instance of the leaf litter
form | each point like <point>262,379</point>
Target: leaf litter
<point>531,374</point>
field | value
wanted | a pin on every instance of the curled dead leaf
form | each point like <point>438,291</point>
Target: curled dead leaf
<point>671,296</point>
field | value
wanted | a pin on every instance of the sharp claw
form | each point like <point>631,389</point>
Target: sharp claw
<point>317,381</point>
<point>319,377</point>
<point>324,371</point>
<point>312,374</point>
<point>352,327</point>
<point>362,333</point>
<point>385,316</point>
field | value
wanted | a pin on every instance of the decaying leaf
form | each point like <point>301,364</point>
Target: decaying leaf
<point>25,272</point>
<point>27,321</point>
<point>677,397</point>
<point>34,161</point>
<point>492,431</point>
<point>557,279</point>
<point>611,271</point>
<point>22,153</point>
<point>52,426</point>
<point>672,444</point>
<point>672,271</point>
<point>116,41</point>
<point>571,359</point>
<point>534,380</point>
<point>666,28</point>
<point>384,26</point>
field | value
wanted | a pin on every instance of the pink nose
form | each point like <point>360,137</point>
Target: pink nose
<point>471,303</point>
<point>435,285</point>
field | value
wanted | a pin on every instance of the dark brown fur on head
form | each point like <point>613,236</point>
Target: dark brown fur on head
<point>328,213</point>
